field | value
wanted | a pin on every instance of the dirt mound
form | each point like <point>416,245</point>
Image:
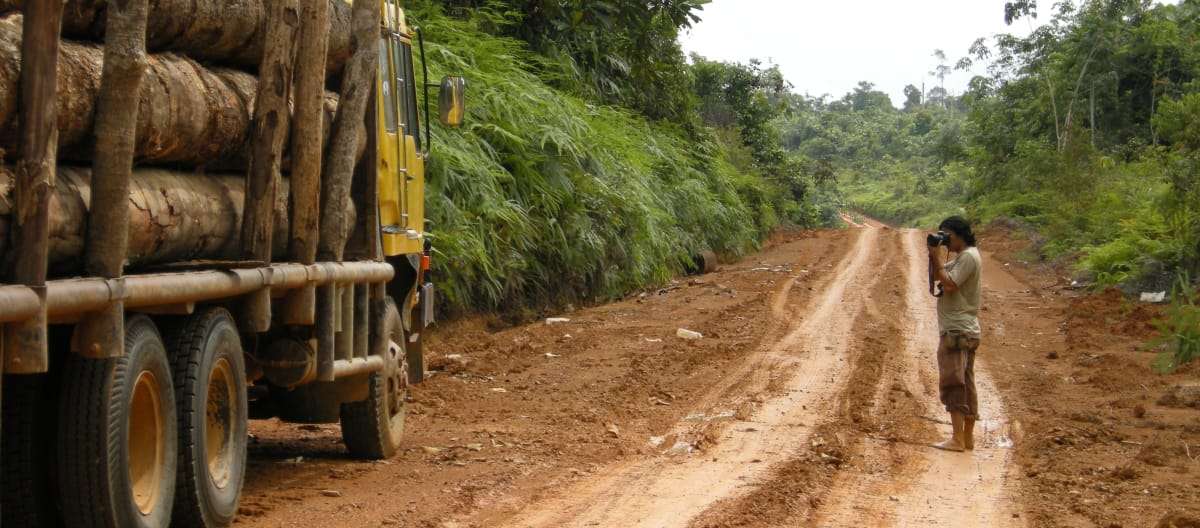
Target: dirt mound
<point>1110,313</point>
<point>1108,441</point>
<point>1180,519</point>
<point>1181,396</point>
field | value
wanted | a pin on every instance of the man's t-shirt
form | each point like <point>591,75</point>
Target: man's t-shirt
<point>959,311</point>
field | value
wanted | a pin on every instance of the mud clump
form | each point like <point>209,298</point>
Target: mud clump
<point>1181,396</point>
<point>1179,519</point>
<point>1161,453</point>
<point>1125,473</point>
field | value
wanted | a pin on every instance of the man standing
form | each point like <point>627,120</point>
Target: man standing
<point>958,327</point>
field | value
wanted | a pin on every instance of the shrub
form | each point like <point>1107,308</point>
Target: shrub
<point>1179,331</point>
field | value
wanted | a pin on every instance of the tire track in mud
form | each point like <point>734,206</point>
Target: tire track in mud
<point>868,462</point>
<point>902,482</point>
<point>976,487</point>
<point>796,489</point>
<point>803,369</point>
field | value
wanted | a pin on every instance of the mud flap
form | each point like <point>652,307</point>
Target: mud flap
<point>426,305</point>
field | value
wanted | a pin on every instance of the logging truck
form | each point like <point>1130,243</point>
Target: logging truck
<point>207,208</point>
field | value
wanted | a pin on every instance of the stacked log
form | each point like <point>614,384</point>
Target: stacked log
<point>174,216</point>
<point>188,115</point>
<point>229,32</point>
<point>194,122</point>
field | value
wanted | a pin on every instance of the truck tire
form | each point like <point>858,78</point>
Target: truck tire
<point>210,391</point>
<point>27,491</point>
<point>117,445</point>
<point>372,429</point>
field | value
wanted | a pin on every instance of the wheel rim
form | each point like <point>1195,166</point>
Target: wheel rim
<point>219,419</point>
<point>147,440</point>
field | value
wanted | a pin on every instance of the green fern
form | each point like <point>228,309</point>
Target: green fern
<point>1179,330</point>
<point>546,198</point>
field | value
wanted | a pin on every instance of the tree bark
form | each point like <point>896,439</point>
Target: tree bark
<point>306,141</point>
<point>102,334</point>
<point>116,122</point>
<point>188,115</point>
<point>25,348</point>
<point>231,32</point>
<point>175,216</point>
<point>300,306</point>
<point>270,128</point>
<point>271,122</point>
<point>357,84</point>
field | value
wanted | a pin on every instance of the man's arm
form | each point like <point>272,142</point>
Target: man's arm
<point>940,273</point>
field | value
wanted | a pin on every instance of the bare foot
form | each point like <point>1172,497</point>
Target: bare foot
<point>948,445</point>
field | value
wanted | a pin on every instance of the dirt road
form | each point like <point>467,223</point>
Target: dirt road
<point>810,401</point>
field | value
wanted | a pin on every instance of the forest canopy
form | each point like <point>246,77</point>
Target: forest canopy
<point>599,158</point>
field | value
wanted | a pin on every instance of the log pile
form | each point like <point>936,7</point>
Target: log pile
<point>174,216</point>
<point>230,32</point>
<point>188,115</point>
<point>196,105</point>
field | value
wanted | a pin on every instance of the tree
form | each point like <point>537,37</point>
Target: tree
<point>746,97</point>
<point>613,52</point>
<point>866,98</point>
<point>913,99</point>
<point>940,71</point>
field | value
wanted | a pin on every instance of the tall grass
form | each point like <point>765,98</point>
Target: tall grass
<point>544,198</point>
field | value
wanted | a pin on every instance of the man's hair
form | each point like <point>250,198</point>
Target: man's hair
<point>960,227</point>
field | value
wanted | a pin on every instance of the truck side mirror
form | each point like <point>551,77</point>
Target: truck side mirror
<point>452,101</point>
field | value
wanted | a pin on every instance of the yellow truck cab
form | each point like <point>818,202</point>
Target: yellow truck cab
<point>401,165</point>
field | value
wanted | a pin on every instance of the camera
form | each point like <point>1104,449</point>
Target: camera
<point>937,239</point>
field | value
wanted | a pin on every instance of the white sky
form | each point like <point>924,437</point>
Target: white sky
<point>828,46</point>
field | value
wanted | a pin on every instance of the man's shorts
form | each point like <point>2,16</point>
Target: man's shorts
<point>956,372</point>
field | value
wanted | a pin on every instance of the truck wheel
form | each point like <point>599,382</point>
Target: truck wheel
<point>373,428</point>
<point>210,389</point>
<point>27,490</point>
<point>117,445</point>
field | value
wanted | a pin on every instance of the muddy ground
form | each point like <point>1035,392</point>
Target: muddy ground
<point>809,401</point>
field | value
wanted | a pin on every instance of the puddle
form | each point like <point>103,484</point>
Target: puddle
<point>716,417</point>
<point>680,448</point>
<point>997,433</point>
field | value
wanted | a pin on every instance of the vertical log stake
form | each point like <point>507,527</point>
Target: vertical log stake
<point>25,342</point>
<point>338,170</point>
<point>269,129</point>
<point>300,305</point>
<point>102,334</point>
<point>357,85</point>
